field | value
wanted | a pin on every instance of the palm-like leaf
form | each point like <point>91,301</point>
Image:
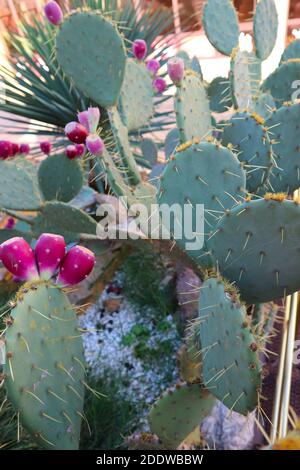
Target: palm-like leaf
<point>37,95</point>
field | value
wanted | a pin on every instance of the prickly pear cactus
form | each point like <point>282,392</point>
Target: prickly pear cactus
<point>45,365</point>
<point>231,368</point>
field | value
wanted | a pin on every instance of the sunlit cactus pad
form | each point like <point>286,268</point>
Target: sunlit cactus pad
<point>45,365</point>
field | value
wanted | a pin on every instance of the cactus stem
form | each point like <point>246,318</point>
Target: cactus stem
<point>29,392</point>
<point>51,418</point>
<point>75,391</point>
<point>56,396</point>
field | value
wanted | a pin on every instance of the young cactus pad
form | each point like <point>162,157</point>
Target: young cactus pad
<point>265,27</point>
<point>192,108</point>
<point>92,53</point>
<point>257,246</point>
<point>231,369</point>
<point>221,25</point>
<point>204,173</point>
<point>177,413</point>
<point>45,365</point>
<point>250,139</point>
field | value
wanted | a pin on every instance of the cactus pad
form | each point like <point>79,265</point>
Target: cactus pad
<point>221,25</point>
<point>192,108</point>
<point>263,105</point>
<point>60,178</point>
<point>292,51</point>
<point>231,369</point>
<point>281,82</point>
<point>45,366</point>
<point>196,67</point>
<point>136,103</point>
<point>265,27</point>
<point>65,220</point>
<point>177,413</point>
<point>149,151</point>
<point>204,173</point>
<point>219,95</point>
<point>19,188</point>
<point>92,54</point>
<point>257,246</point>
<point>250,139</point>
<point>245,73</point>
<point>171,142</point>
<point>284,129</point>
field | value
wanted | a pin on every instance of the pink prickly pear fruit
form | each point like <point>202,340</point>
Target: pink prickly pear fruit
<point>76,132</point>
<point>176,69</point>
<point>76,266</point>
<point>95,144</point>
<point>15,149</point>
<point>153,66</point>
<point>24,149</point>
<point>159,84</point>
<point>80,148</point>
<point>53,13</point>
<point>6,149</point>
<point>71,152</point>
<point>18,258</point>
<point>90,119</point>
<point>139,49</point>
<point>49,252</point>
<point>46,147</point>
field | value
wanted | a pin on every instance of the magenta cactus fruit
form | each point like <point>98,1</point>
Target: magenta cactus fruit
<point>49,251</point>
<point>18,258</point>
<point>95,144</point>
<point>71,152</point>
<point>176,69</point>
<point>76,132</point>
<point>80,148</point>
<point>139,49</point>
<point>24,149</point>
<point>153,66</point>
<point>6,149</point>
<point>53,13</point>
<point>46,147</point>
<point>10,223</point>
<point>159,84</point>
<point>76,266</point>
<point>90,119</point>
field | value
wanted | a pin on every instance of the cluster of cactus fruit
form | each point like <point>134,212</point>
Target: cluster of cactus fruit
<point>243,169</point>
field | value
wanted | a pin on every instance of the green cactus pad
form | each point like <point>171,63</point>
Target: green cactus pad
<point>284,129</point>
<point>6,234</point>
<point>231,369</point>
<point>192,108</point>
<point>265,27</point>
<point>92,54</point>
<point>136,103</point>
<point>120,132</point>
<point>257,246</point>
<point>45,366</point>
<point>196,67</point>
<point>171,142</point>
<point>219,95</point>
<point>292,51</point>
<point>281,83</point>
<point>250,139</point>
<point>149,151</point>
<point>177,413</point>
<point>221,25</point>
<point>19,188</point>
<point>204,173</point>
<point>63,219</point>
<point>263,105</point>
<point>244,76</point>
<point>60,178</point>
